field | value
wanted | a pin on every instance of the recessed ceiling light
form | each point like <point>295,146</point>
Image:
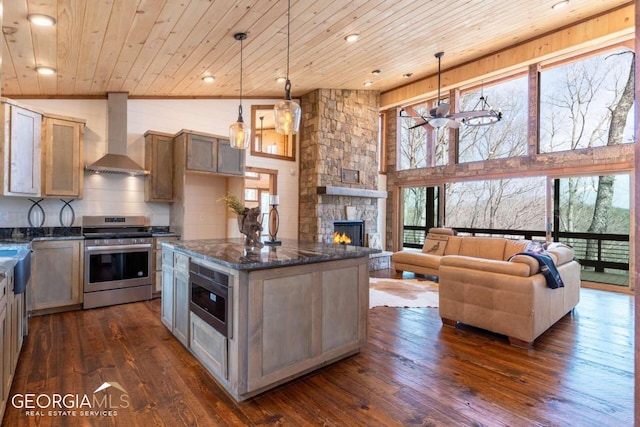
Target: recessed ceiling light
<point>407,75</point>
<point>208,79</point>
<point>281,79</point>
<point>41,20</point>
<point>560,5</point>
<point>352,37</point>
<point>367,83</point>
<point>376,72</point>
<point>45,70</point>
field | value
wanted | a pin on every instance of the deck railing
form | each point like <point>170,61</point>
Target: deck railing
<point>609,251</point>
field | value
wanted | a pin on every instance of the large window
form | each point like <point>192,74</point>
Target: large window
<point>506,138</point>
<point>592,214</point>
<point>588,102</point>
<point>422,146</point>
<point>419,212</point>
<point>511,204</point>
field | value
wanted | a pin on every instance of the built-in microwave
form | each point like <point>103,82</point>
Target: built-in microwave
<point>210,297</point>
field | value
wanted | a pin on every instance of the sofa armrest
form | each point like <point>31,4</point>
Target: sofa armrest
<point>560,253</point>
<point>521,269</point>
<point>534,265</point>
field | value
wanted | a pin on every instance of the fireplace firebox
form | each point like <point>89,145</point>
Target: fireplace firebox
<point>350,232</point>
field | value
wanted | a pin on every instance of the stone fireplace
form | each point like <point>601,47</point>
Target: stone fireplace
<point>338,161</point>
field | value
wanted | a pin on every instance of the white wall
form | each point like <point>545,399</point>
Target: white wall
<point>124,195</point>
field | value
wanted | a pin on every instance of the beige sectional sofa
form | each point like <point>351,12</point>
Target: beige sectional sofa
<point>483,284</point>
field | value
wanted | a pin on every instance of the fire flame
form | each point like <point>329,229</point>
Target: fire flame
<point>341,238</point>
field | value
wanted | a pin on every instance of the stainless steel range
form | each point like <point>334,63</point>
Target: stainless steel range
<point>117,260</point>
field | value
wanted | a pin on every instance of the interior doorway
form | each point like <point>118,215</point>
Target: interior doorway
<point>259,184</point>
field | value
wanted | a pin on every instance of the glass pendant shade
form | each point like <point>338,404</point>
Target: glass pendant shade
<point>287,117</point>
<point>239,134</point>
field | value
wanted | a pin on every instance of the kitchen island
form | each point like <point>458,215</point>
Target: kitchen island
<point>274,314</point>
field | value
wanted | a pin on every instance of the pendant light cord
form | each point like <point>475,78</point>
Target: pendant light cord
<point>240,106</point>
<point>439,59</point>
<point>287,85</point>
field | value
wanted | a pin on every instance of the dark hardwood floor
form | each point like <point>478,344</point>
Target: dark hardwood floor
<point>413,371</point>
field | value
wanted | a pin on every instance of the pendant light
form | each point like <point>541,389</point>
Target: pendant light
<point>287,112</point>
<point>239,132</point>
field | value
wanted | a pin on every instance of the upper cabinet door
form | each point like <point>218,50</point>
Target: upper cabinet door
<point>230,160</point>
<point>202,153</point>
<point>22,156</point>
<point>158,185</point>
<point>62,152</point>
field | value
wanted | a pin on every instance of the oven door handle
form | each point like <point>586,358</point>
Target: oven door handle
<point>111,248</point>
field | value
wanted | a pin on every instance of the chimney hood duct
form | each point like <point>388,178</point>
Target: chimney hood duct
<point>116,159</point>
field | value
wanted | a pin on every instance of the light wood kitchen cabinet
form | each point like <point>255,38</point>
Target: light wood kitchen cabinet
<point>281,321</point>
<point>181,298</point>
<point>5,340</point>
<point>323,310</point>
<point>5,359</point>
<point>175,295</point>
<point>209,153</point>
<point>195,212</point>
<point>158,260</point>
<point>202,153</point>
<point>166,312</point>
<point>230,160</point>
<point>209,346</point>
<point>16,303</point>
<point>56,275</point>
<point>21,150</point>
<point>10,335</point>
<point>62,157</point>
<point>158,185</point>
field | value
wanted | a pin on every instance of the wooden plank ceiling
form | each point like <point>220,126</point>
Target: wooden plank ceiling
<point>163,48</point>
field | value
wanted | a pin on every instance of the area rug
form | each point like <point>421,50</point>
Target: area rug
<point>402,293</point>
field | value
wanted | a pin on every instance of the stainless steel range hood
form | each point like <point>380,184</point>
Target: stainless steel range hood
<point>116,159</point>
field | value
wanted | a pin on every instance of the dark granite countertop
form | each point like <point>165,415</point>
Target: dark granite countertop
<point>232,253</point>
<point>19,235</point>
<point>164,234</point>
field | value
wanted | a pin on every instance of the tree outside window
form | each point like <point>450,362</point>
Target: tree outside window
<point>506,138</point>
<point>588,102</point>
<point>422,146</point>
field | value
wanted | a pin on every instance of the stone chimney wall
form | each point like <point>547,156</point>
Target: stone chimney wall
<point>339,132</point>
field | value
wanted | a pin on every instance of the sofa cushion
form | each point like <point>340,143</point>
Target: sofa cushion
<point>512,247</point>
<point>483,247</point>
<point>453,245</point>
<point>468,264</point>
<point>416,258</point>
<point>442,231</point>
<point>435,244</point>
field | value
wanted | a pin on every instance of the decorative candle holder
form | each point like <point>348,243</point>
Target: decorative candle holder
<point>274,222</point>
